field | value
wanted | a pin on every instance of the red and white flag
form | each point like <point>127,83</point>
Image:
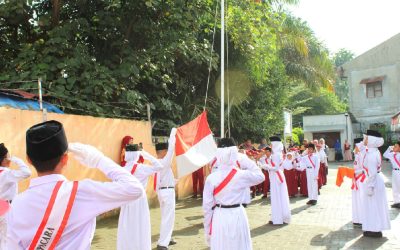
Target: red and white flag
<point>195,145</point>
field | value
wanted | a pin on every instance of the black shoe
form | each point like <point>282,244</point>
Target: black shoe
<point>270,222</point>
<point>313,202</point>
<point>264,197</point>
<point>194,196</point>
<point>396,205</point>
<point>357,224</point>
<point>309,202</point>
<point>253,196</point>
<point>161,247</point>
<point>258,193</point>
<point>372,234</point>
<point>172,242</point>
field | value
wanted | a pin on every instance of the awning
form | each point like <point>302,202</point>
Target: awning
<point>372,79</point>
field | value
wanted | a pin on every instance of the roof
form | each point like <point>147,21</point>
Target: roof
<point>23,100</point>
<point>372,79</point>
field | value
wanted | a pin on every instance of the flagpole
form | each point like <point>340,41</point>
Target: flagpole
<point>222,68</point>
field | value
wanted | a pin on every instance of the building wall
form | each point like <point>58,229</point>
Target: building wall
<point>382,60</point>
<point>378,109</point>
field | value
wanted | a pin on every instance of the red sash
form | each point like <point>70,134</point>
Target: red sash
<point>47,215</point>
<point>355,179</point>
<point>277,172</point>
<point>134,169</point>
<point>1,171</point>
<point>225,182</point>
<point>309,157</point>
<point>395,159</point>
<point>238,164</point>
<point>155,182</point>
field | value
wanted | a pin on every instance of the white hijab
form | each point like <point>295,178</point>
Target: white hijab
<point>374,142</point>
<point>277,147</point>
<point>132,156</point>
<point>227,157</point>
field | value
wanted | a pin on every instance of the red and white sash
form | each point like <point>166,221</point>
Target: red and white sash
<point>312,163</point>
<point>134,169</point>
<point>56,216</point>
<point>155,181</point>
<point>277,172</point>
<point>394,156</point>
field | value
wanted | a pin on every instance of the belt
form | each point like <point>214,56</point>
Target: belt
<point>396,168</point>
<point>309,167</point>
<point>229,206</point>
<point>9,201</point>
<point>166,187</point>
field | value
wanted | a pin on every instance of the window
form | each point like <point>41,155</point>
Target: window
<point>374,89</point>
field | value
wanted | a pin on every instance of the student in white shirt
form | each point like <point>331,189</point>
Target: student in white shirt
<point>54,212</point>
<point>393,154</point>
<point>9,184</point>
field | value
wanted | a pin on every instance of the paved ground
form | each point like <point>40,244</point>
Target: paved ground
<point>325,226</point>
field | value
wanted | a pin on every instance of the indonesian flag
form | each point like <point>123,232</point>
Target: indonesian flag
<point>195,146</point>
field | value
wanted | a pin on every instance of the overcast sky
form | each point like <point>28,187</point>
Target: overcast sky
<point>357,25</point>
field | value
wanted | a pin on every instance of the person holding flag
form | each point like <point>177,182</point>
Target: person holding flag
<point>225,220</point>
<point>54,213</point>
<point>164,185</point>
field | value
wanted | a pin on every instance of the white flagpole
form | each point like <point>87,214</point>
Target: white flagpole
<point>222,68</point>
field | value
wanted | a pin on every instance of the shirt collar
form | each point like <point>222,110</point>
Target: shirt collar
<point>47,179</point>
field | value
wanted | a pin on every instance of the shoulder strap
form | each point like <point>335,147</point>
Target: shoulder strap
<point>55,220</point>
<point>309,157</point>
<point>134,169</point>
<point>225,182</point>
<point>395,159</point>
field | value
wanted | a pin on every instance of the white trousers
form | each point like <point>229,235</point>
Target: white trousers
<point>312,184</point>
<point>3,232</point>
<point>396,186</point>
<point>166,197</point>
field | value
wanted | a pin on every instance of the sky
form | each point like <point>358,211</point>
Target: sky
<point>356,25</point>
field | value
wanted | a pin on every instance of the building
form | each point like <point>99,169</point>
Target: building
<point>330,127</point>
<point>374,87</point>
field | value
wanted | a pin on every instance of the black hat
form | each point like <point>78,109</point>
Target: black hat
<point>373,133</point>
<point>226,142</point>
<point>132,147</point>
<point>311,145</point>
<point>3,151</point>
<point>268,149</point>
<point>161,146</point>
<point>46,141</point>
<point>275,138</point>
<point>358,140</point>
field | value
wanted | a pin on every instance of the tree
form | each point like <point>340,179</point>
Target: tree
<point>341,86</point>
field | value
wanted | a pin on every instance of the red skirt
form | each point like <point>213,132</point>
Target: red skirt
<point>303,183</point>
<point>266,184</point>
<point>291,181</point>
<point>322,172</point>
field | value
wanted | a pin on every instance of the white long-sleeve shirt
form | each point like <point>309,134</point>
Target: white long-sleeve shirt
<point>92,199</point>
<point>9,179</point>
<point>311,164</point>
<point>233,193</point>
<point>143,171</point>
<point>165,177</point>
<point>390,155</point>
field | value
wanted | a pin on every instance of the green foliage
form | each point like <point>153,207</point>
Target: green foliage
<point>297,135</point>
<point>342,56</point>
<point>121,55</point>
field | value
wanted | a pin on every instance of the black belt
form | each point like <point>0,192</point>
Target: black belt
<point>9,201</point>
<point>396,168</point>
<point>309,167</point>
<point>229,206</point>
<point>166,187</point>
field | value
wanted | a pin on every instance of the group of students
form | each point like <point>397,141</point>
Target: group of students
<point>56,213</point>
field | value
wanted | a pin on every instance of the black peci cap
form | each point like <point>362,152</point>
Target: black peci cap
<point>3,151</point>
<point>226,142</point>
<point>132,147</point>
<point>373,133</point>
<point>358,140</point>
<point>46,141</point>
<point>311,145</point>
<point>275,138</point>
<point>161,146</point>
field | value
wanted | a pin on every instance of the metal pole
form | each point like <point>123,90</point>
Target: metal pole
<point>222,68</point>
<point>40,93</point>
